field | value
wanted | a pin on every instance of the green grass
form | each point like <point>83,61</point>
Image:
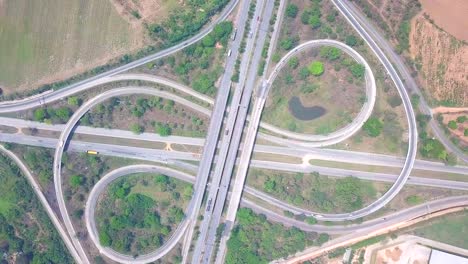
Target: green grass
<point>451,229</point>
<point>5,206</point>
<point>40,39</point>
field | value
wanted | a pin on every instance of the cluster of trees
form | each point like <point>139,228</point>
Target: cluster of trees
<point>52,115</point>
<point>25,229</point>
<point>373,127</point>
<point>182,24</point>
<point>453,124</point>
<point>430,147</point>
<point>40,161</point>
<point>312,16</point>
<point>255,240</point>
<point>124,212</point>
<point>321,193</point>
<point>331,53</point>
<point>292,10</point>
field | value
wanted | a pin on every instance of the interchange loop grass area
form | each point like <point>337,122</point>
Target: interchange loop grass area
<point>306,101</point>
<point>137,213</point>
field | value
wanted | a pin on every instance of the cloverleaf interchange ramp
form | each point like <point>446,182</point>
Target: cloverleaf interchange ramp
<point>292,141</point>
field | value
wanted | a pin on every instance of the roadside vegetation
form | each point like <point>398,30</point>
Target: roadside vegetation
<point>255,240</point>
<point>26,232</point>
<point>137,214</point>
<point>393,18</point>
<point>314,191</point>
<point>137,113</point>
<point>198,65</point>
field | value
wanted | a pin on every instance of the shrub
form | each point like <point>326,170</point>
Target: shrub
<point>316,68</point>
<point>373,127</point>
<point>136,128</point>
<point>330,53</point>
<point>462,119</point>
<point>76,181</point>
<point>291,10</point>
<point>351,40</point>
<point>293,62</point>
<point>452,124</point>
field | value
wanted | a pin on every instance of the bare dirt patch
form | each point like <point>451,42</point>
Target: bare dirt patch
<point>149,11</point>
<point>441,60</point>
<point>449,15</point>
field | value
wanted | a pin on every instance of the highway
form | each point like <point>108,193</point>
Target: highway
<point>228,146</point>
<point>407,77</point>
<point>249,136</point>
<point>148,154</point>
<point>214,129</point>
<point>306,154</point>
<point>391,222</point>
<point>248,82</point>
<point>35,101</point>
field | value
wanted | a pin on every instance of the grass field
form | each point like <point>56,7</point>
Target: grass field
<point>44,41</point>
<point>451,229</point>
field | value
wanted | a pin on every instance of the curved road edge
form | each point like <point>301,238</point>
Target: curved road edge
<point>101,185</point>
<point>343,133</point>
<point>64,136</point>
<point>426,211</point>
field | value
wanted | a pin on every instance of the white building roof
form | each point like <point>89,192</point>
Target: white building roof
<point>440,257</point>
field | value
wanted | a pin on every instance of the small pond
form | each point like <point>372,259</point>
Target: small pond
<point>304,113</point>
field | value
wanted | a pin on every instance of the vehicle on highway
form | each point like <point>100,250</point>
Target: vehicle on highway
<point>92,152</point>
<point>208,206</point>
<point>229,53</point>
<point>234,34</point>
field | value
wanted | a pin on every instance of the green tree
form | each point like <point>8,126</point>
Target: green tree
<point>74,101</point>
<point>330,53</point>
<point>208,41</point>
<point>40,114</point>
<point>351,40</point>
<point>311,220</point>
<point>465,133</point>
<point>462,119</point>
<point>163,130</point>
<point>291,10</point>
<point>63,113</point>
<point>293,62</point>
<point>304,73</point>
<point>204,84</point>
<point>314,22</point>
<point>316,68</point>
<point>136,128</point>
<point>105,239</point>
<point>357,70</point>
<point>76,181</point>
<point>373,127</point>
<point>323,238</point>
<point>452,124</point>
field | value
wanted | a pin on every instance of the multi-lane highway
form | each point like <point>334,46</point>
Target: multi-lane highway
<point>216,123</point>
<point>229,145</point>
<point>148,154</point>
<point>227,148</point>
